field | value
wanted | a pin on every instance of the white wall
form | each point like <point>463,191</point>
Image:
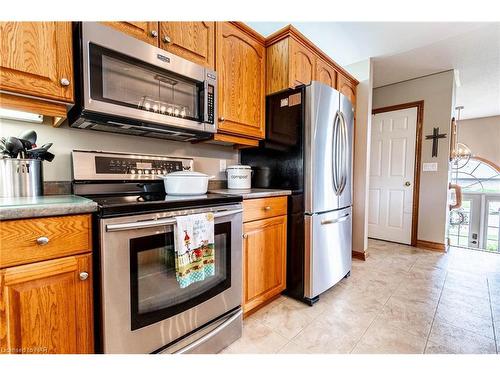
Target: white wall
<point>363,72</point>
<point>482,135</point>
<point>437,92</point>
<point>65,139</point>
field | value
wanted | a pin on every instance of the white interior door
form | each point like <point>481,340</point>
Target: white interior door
<point>392,162</point>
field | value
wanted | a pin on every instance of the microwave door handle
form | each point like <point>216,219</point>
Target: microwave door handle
<point>159,222</point>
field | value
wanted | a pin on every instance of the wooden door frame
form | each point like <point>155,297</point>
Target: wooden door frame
<point>418,157</point>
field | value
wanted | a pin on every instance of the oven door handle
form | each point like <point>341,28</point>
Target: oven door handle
<point>159,222</point>
<point>208,336</point>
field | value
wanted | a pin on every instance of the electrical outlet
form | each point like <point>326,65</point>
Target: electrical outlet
<point>222,165</point>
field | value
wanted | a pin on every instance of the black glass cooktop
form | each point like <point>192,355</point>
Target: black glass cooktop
<point>118,205</point>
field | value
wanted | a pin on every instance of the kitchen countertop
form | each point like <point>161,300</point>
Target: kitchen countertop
<point>253,193</point>
<point>48,205</point>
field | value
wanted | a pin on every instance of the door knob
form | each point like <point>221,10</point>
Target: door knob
<point>166,39</point>
<point>64,82</point>
<point>222,119</point>
<point>84,276</point>
<point>407,183</point>
<point>154,33</point>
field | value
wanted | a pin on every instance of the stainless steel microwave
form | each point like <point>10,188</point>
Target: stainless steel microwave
<point>127,86</point>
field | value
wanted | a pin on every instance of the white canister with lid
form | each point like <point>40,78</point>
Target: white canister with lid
<point>239,177</point>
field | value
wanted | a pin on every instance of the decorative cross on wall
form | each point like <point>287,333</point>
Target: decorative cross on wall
<point>435,138</point>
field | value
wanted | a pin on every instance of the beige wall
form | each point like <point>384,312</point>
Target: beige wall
<point>363,72</point>
<point>65,139</point>
<point>437,92</point>
<point>482,135</point>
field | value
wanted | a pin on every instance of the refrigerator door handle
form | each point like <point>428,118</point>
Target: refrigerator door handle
<point>335,153</point>
<point>333,221</point>
<point>344,153</point>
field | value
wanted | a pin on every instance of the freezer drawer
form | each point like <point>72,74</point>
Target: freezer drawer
<point>328,250</point>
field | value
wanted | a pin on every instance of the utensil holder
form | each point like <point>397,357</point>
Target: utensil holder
<point>21,178</point>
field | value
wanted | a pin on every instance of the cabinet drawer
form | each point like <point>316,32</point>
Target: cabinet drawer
<point>25,241</point>
<point>256,209</point>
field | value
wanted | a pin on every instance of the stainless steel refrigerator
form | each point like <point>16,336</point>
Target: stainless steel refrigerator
<point>308,149</point>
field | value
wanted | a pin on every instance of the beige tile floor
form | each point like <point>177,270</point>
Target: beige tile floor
<point>401,300</point>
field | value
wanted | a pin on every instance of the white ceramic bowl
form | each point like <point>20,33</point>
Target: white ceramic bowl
<point>185,183</point>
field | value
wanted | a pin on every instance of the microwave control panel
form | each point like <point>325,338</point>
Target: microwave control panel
<point>210,104</point>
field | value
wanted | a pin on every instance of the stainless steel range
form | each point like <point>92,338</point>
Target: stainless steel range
<point>142,308</point>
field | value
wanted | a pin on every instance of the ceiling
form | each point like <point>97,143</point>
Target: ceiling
<point>406,50</point>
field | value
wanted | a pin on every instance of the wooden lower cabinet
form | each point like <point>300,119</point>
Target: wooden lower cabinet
<point>264,261</point>
<point>46,307</point>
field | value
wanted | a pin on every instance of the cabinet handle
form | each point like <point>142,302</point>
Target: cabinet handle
<point>64,82</point>
<point>83,276</point>
<point>245,235</point>
<point>222,119</point>
<point>42,240</point>
<point>267,208</point>
<point>154,33</point>
<point>166,39</point>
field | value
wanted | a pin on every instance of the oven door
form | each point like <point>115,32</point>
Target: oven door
<point>143,306</point>
<point>134,80</point>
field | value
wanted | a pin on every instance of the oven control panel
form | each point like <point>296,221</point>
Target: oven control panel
<point>111,165</point>
<point>118,166</point>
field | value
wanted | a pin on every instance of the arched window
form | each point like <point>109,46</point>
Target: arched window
<point>477,223</point>
<point>477,175</point>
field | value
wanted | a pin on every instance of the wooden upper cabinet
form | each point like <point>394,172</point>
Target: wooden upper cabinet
<point>194,41</point>
<point>46,307</point>
<point>348,88</point>
<point>302,64</point>
<point>36,59</point>
<point>240,66</point>
<point>146,31</point>
<point>292,60</point>
<point>325,73</point>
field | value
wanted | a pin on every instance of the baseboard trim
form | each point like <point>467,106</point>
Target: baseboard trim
<point>361,255</point>
<point>429,245</point>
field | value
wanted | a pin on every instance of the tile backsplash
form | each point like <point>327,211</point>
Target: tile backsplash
<point>206,156</point>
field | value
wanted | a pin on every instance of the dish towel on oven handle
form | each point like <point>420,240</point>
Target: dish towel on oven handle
<point>194,248</point>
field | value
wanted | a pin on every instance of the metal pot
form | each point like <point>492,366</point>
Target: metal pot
<point>21,178</point>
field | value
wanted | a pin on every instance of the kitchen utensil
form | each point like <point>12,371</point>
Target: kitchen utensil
<point>48,156</point>
<point>21,178</point>
<point>28,135</point>
<point>239,177</point>
<point>185,183</point>
<point>14,146</point>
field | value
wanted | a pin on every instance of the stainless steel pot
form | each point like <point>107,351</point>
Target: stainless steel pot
<point>21,178</point>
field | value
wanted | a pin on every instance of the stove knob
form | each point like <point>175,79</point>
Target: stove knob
<point>153,171</point>
<point>146,171</point>
<point>132,171</point>
<point>164,171</point>
<point>158,171</point>
<point>139,171</point>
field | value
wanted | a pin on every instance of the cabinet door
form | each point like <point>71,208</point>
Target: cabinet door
<point>325,73</point>
<point>145,31</point>
<point>194,41</point>
<point>346,87</point>
<point>46,307</point>
<point>264,257</point>
<point>240,66</point>
<point>302,64</point>
<point>36,59</point>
